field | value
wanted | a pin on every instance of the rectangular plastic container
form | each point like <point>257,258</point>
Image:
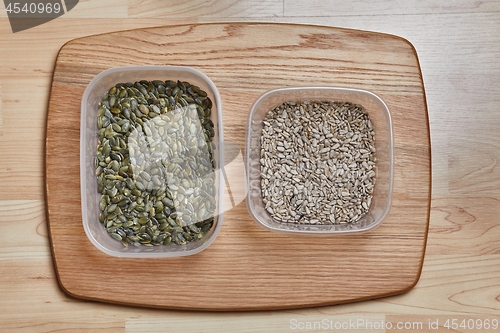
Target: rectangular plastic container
<point>99,85</point>
<point>381,119</point>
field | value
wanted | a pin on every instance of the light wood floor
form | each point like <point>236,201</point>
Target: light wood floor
<point>458,44</point>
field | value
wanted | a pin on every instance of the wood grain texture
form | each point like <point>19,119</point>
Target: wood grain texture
<point>26,216</point>
<point>393,7</point>
<point>458,53</point>
<point>22,181</point>
<point>1,110</point>
<point>248,267</point>
<point>233,8</point>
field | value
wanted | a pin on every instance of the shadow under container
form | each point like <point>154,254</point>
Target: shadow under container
<point>382,124</point>
<point>97,87</point>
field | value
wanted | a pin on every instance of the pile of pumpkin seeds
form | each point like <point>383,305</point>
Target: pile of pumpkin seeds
<point>155,163</point>
<point>317,162</point>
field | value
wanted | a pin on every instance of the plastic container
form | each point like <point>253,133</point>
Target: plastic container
<point>100,84</point>
<point>381,119</point>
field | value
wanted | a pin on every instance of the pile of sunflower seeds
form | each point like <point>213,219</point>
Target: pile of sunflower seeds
<point>155,163</point>
<point>317,162</point>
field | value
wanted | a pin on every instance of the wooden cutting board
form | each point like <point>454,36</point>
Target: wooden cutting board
<point>248,267</point>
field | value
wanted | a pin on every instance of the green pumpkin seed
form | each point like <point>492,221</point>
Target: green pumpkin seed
<point>143,181</point>
<point>116,236</point>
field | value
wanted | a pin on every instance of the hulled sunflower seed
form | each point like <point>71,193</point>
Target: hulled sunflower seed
<point>317,162</point>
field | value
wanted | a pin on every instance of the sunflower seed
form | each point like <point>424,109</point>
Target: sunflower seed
<point>317,162</point>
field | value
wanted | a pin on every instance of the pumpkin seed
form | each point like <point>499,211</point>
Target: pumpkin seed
<point>154,153</point>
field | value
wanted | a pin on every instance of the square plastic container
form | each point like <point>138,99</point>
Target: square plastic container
<point>99,85</point>
<point>381,120</point>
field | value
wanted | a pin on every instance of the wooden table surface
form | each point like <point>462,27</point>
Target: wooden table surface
<point>458,44</point>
